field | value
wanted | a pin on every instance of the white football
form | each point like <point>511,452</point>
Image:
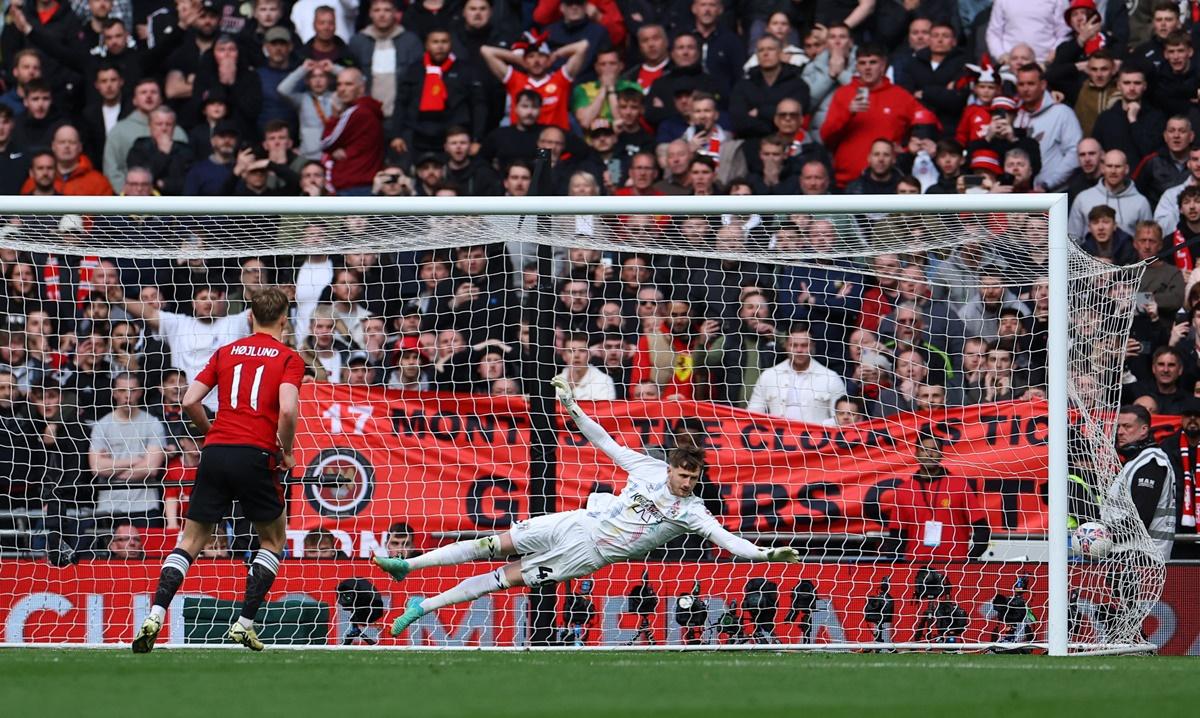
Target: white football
<point>1093,540</point>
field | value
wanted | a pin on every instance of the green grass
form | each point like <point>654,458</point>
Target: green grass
<point>36,683</point>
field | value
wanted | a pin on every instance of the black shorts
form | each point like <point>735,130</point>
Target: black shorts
<point>246,473</point>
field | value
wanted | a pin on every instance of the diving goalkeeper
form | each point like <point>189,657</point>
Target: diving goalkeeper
<point>656,506</point>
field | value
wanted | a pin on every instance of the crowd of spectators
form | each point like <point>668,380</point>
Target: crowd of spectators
<point>452,98</point>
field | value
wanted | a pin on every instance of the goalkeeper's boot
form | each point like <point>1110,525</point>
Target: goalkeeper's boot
<point>410,616</point>
<point>397,568</point>
<point>245,636</point>
<point>144,642</point>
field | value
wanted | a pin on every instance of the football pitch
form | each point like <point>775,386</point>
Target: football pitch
<point>575,685</point>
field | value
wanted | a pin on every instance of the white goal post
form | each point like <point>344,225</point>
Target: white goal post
<point>1055,639</point>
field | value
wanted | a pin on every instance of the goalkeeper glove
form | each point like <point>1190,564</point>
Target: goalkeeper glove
<point>786,554</point>
<point>565,396</point>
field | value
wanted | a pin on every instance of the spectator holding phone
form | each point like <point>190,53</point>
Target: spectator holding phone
<point>867,109</point>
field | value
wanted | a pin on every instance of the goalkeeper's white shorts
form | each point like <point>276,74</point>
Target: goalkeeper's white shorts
<point>555,547</point>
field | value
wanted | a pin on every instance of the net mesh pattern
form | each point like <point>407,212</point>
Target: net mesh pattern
<point>421,422</point>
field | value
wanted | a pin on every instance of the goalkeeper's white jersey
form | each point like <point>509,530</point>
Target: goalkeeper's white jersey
<point>646,515</point>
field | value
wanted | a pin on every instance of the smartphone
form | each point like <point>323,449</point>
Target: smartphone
<point>863,95</point>
<point>973,180</point>
<point>606,261</point>
<point>1143,300</point>
<point>614,170</point>
<point>1006,179</point>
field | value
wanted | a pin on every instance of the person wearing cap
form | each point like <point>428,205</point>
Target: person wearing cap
<point>933,75</point>
<point>437,92</point>
<point>213,175</point>
<point>147,96</point>
<point>867,109</point>
<point>756,96</point>
<point>224,66</point>
<point>198,23</point>
<point>354,136</point>
<point>533,53</point>
<point>1052,123</point>
<point>918,162</point>
<point>309,89</point>
<point>576,24</point>
<point>1114,189</point>
<point>608,15</point>
<point>1132,124</point>
<point>1087,36</point>
<point>280,61</point>
<point>411,372</point>
<point>430,171</point>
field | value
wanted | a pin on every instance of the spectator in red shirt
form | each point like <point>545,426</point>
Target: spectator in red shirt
<point>867,109</point>
<point>534,54</point>
<point>935,515</point>
<point>354,136</point>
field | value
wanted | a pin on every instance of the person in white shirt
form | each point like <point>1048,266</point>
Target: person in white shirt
<point>191,339</point>
<point>800,387</point>
<point>588,382</point>
<point>656,505</point>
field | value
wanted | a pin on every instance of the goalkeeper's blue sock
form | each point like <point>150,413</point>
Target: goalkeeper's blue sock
<point>170,578</point>
<point>468,590</point>
<point>456,553</point>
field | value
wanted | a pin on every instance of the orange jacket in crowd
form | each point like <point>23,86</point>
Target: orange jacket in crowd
<point>84,180</point>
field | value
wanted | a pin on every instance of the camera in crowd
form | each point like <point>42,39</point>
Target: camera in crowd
<point>760,605</point>
<point>941,619</point>
<point>364,603</point>
<point>691,613</point>
<point>880,612</point>
<point>642,602</point>
<point>1015,620</point>
<point>803,603</point>
<point>579,612</point>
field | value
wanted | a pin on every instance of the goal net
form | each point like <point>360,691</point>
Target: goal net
<point>873,388</point>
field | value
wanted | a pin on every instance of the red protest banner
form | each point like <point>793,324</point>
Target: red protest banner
<point>459,463</point>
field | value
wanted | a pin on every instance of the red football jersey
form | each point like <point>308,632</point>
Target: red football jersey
<point>949,500</point>
<point>247,374</point>
<point>555,90</point>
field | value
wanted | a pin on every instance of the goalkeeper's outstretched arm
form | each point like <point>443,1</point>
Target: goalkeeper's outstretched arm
<point>709,528</point>
<point>593,431</point>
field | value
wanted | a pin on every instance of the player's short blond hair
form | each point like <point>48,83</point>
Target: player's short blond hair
<point>268,305</point>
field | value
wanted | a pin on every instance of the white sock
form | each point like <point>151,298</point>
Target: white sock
<point>461,552</point>
<point>246,622</point>
<point>158,612</point>
<point>469,590</point>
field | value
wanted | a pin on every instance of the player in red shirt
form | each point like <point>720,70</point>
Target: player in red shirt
<point>258,385</point>
<point>937,517</point>
<point>534,54</point>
